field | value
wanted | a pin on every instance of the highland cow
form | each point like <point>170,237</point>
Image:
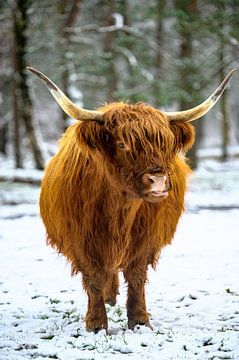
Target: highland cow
<point>112,195</point>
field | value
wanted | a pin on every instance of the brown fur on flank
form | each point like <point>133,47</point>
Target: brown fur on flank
<point>92,204</point>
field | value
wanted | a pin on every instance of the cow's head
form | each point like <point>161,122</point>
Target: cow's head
<point>138,142</point>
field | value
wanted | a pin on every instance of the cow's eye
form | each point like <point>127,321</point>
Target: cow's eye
<point>121,145</point>
<point>106,137</point>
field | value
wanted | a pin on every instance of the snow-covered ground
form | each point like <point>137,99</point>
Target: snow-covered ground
<point>193,297</point>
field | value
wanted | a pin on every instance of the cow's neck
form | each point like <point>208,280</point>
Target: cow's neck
<point>121,209</point>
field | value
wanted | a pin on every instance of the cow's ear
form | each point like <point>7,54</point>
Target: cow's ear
<point>94,137</point>
<point>88,135</point>
<point>184,135</point>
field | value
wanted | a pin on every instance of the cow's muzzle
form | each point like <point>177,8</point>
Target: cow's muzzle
<point>155,185</point>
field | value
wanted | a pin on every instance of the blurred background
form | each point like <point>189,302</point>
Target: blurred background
<point>170,54</point>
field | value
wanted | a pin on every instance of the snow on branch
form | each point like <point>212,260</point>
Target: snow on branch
<point>118,25</point>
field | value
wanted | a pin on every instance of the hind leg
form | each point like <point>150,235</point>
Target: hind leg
<point>111,289</point>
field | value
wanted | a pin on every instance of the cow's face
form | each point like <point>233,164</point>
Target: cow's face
<point>138,142</point>
<point>138,145</point>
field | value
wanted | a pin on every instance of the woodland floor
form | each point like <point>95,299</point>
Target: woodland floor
<point>192,297</point>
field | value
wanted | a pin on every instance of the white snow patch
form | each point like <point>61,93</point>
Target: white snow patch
<point>192,297</point>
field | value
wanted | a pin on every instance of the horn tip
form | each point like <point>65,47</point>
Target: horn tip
<point>30,68</point>
<point>43,77</point>
<point>232,71</point>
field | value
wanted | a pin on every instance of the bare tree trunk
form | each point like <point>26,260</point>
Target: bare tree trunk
<point>186,52</point>
<point>22,101</point>
<point>186,55</point>
<point>16,97</point>
<point>225,120</point>
<point>224,100</point>
<point>126,41</point>
<point>17,122</point>
<point>109,51</point>
<point>3,128</point>
<point>67,24</point>
<point>6,45</point>
<point>160,7</point>
<point>3,138</point>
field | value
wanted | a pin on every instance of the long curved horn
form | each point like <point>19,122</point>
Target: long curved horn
<point>66,104</point>
<point>200,110</point>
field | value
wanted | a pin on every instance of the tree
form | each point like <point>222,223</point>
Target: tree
<point>160,14</point>
<point>5,75</point>
<point>187,14</point>
<point>68,19</point>
<point>224,112</point>
<point>220,30</point>
<point>223,39</point>
<point>108,48</point>
<point>21,97</point>
<point>3,132</point>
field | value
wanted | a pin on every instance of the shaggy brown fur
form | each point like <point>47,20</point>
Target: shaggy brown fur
<point>95,208</point>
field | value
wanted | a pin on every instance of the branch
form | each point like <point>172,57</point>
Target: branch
<point>90,78</point>
<point>118,26</point>
<point>73,14</point>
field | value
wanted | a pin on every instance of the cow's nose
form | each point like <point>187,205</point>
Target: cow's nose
<point>148,179</point>
<point>154,181</point>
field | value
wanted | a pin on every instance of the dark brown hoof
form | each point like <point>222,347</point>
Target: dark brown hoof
<point>95,325</point>
<point>132,323</point>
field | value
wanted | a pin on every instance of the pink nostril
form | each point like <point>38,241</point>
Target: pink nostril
<point>147,179</point>
<point>151,179</point>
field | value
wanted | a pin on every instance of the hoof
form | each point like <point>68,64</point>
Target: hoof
<point>95,329</point>
<point>96,325</point>
<point>132,323</point>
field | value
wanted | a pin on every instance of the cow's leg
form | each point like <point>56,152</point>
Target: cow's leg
<point>135,275</point>
<point>111,289</point>
<point>96,318</point>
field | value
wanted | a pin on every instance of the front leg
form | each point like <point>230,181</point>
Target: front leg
<point>96,318</point>
<point>136,275</point>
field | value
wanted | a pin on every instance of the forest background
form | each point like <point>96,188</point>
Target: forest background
<point>170,54</point>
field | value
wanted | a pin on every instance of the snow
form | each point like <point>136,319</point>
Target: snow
<point>119,20</point>
<point>192,297</point>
